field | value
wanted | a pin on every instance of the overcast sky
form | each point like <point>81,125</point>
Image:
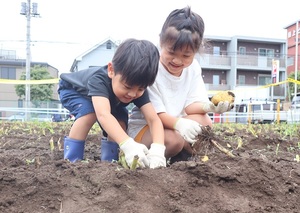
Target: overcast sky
<point>68,28</point>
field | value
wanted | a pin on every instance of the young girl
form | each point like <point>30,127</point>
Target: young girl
<point>178,93</point>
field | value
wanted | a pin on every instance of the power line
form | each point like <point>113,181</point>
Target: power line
<point>44,41</point>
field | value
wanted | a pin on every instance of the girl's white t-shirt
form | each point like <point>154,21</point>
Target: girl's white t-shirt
<point>171,94</point>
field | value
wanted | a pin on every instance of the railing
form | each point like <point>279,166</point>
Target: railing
<point>212,60</point>
<point>250,60</point>
<point>39,114</point>
<point>45,114</point>
<point>290,116</point>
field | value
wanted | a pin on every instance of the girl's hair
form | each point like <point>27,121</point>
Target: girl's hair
<point>137,62</point>
<point>183,28</point>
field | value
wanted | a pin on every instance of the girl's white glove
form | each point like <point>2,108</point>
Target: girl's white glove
<point>132,148</point>
<point>188,129</point>
<point>156,156</point>
<point>223,106</point>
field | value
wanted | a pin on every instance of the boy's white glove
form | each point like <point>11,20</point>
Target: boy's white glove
<point>132,148</point>
<point>223,106</point>
<point>156,156</point>
<point>188,129</point>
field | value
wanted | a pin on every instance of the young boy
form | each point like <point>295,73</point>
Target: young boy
<point>101,95</point>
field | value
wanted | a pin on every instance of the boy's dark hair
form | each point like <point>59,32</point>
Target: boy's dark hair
<point>137,62</point>
<point>183,28</point>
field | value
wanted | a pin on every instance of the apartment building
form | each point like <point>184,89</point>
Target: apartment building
<point>244,64</point>
<point>237,63</point>
<point>293,48</point>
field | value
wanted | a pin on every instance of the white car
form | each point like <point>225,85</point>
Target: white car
<point>17,117</point>
<point>296,102</point>
<point>43,117</point>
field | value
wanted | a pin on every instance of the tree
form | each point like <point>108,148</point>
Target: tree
<point>292,85</point>
<point>38,92</point>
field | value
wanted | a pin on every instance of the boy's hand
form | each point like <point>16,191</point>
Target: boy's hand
<point>156,156</point>
<point>132,148</point>
<point>223,106</point>
<point>188,129</point>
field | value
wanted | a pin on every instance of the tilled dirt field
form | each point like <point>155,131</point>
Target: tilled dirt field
<point>264,175</point>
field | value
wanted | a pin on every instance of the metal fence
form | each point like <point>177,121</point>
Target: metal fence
<point>290,116</point>
<point>59,113</point>
<point>35,114</point>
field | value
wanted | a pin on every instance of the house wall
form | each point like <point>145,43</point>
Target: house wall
<point>8,96</point>
<point>100,57</point>
<point>8,93</point>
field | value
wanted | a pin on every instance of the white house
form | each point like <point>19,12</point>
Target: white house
<point>98,55</point>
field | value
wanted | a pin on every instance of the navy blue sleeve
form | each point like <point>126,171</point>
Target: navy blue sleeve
<point>144,99</point>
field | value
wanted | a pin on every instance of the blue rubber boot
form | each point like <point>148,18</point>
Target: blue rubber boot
<point>109,151</point>
<point>73,149</point>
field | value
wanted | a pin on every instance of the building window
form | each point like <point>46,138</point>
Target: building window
<point>242,80</point>
<point>216,50</point>
<point>216,79</point>
<point>290,61</point>
<point>266,52</point>
<point>242,50</point>
<point>20,103</point>
<point>8,73</point>
<point>264,79</point>
<point>108,45</point>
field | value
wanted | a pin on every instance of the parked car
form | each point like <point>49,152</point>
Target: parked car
<point>259,112</point>
<point>42,117</point>
<point>17,117</point>
<point>296,101</point>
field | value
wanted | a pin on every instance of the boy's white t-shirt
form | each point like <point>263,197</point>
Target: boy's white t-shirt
<point>171,94</point>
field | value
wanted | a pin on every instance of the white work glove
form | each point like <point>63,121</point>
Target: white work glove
<point>132,148</point>
<point>156,156</point>
<point>223,106</point>
<point>188,129</point>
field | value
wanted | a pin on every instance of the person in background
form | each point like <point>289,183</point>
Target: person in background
<point>178,93</point>
<point>56,118</point>
<point>101,94</point>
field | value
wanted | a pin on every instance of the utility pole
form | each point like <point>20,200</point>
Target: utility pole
<point>28,10</point>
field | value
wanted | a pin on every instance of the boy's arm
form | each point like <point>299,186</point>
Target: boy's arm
<point>107,120</point>
<point>157,149</point>
<point>116,132</point>
<point>154,123</point>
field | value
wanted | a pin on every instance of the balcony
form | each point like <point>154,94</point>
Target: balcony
<point>249,61</point>
<point>209,61</point>
<point>220,87</point>
<point>257,62</point>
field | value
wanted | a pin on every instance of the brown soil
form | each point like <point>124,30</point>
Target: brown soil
<point>264,175</point>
